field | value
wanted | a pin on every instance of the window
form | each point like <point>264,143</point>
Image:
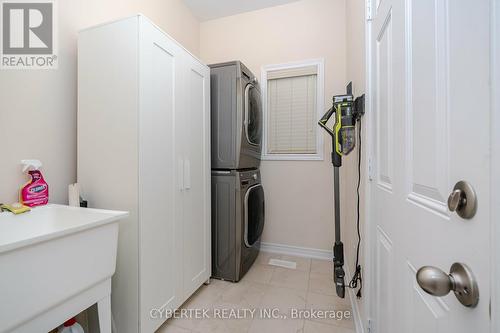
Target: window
<point>293,103</point>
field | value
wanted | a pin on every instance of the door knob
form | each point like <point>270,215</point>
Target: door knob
<point>456,200</point>
<point>463,200</point>
<point>461,280</point>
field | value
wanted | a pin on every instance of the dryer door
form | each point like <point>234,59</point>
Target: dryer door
<point>253,115</point>
<point>254,214</point>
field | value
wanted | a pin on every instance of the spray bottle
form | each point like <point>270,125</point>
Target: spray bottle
<point>71,326</point>
<point>36,191</point>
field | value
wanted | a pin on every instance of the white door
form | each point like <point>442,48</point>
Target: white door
<point>196,152</point>
<point>161,219</point>
<point>430,115</point>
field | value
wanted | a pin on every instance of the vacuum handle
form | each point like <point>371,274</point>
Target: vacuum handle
<point>324,120</point>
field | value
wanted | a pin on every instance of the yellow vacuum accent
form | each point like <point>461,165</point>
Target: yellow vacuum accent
<point>338,126</point>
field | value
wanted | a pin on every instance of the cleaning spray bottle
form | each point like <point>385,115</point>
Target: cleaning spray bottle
<point>71,326</point>
<point>36,191</point>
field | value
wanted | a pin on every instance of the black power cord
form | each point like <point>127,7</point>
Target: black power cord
<point>357,278</point>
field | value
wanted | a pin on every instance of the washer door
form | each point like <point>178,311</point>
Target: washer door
<point>254,214</point>
<point>253,115</point>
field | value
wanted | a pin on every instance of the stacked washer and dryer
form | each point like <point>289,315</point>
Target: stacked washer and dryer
<point>237,193</point>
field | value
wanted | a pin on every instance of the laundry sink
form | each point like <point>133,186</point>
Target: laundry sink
<point>55,261</point>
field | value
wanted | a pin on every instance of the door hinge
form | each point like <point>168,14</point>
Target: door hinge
<point>369,10</point>
<point>370,169</point>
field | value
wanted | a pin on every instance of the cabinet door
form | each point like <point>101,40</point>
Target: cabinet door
<point>196,223</point>
<point>159,227</point>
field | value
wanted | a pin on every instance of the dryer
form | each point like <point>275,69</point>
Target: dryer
<point>236,110</point>
<point>238,214</point>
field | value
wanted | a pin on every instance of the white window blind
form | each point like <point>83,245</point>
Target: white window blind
<point>292,111</point>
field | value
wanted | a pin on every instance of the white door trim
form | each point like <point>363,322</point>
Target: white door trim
<point>495,164</point>
<point>368,280</point>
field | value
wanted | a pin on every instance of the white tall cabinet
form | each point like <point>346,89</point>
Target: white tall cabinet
<point>144,147</point>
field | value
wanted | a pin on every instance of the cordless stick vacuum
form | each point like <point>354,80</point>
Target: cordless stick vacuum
<point>347,112</point>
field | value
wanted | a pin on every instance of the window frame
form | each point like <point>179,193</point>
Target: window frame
<point>320,91</point>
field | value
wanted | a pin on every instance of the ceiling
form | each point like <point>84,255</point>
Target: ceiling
<point>212,9</point>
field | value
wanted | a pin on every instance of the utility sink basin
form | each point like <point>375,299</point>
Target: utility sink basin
<point>56,261</point>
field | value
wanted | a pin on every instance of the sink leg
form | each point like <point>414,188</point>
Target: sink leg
<point>104,311</point>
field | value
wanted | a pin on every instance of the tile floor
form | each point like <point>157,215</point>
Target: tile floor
<point>309,286</point>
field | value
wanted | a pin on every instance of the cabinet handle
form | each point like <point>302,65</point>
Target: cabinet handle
<point>187,174</point>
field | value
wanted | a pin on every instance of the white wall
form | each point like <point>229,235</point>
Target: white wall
<point>299,194</point>
<point>38,107</point>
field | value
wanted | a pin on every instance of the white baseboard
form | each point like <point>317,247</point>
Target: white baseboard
<point>296,251</point>
<point>356,315</point>
<point>318,254</point>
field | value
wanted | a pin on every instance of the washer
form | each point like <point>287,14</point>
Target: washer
<point>238,215</point>
<point>236,110</point>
